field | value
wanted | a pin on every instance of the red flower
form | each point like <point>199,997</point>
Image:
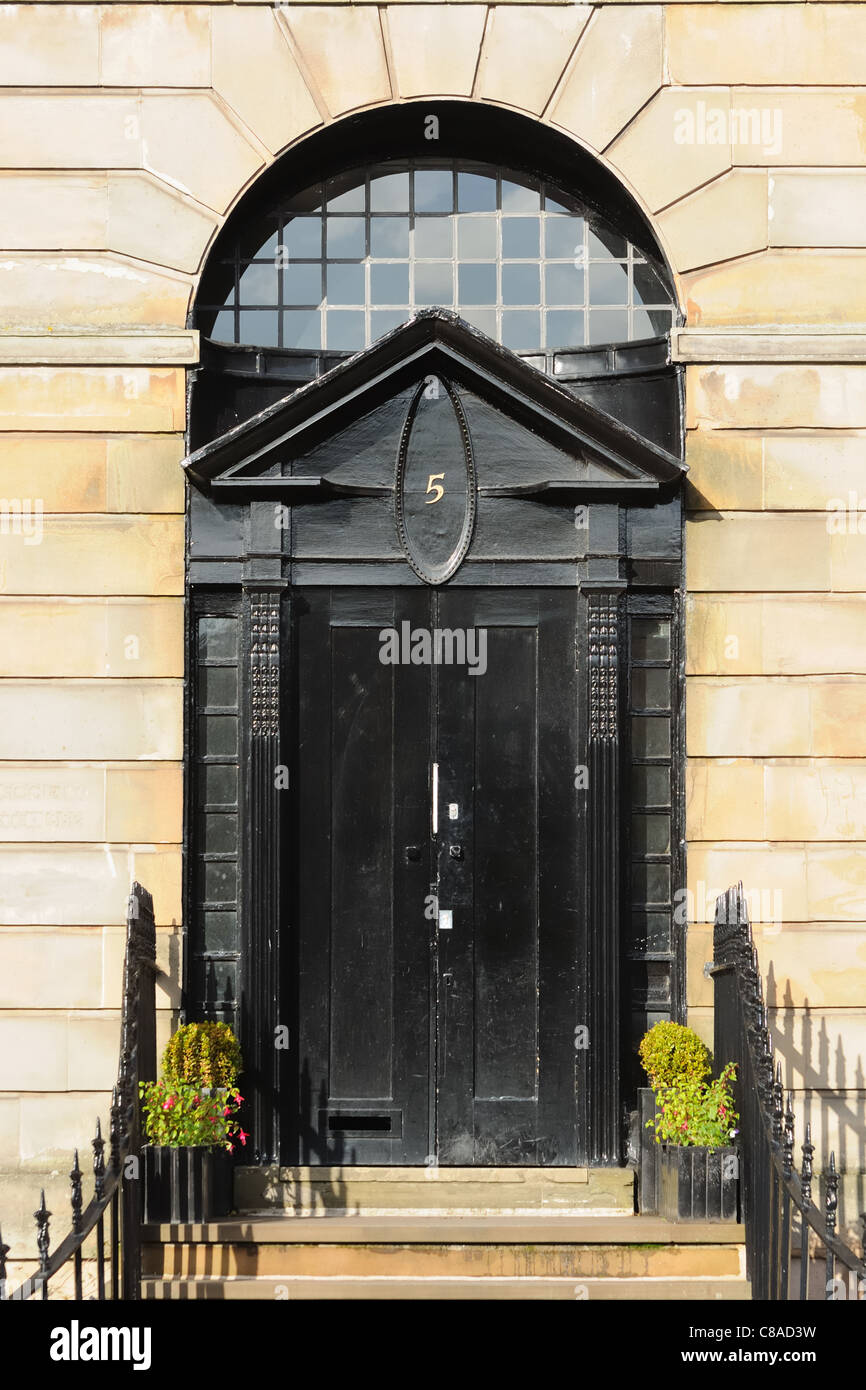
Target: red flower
<point>243,1137</point>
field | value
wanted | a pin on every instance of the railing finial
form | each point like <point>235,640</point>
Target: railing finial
<point>75,1180</point>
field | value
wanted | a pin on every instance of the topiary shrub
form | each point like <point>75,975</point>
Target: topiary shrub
<point>202,1054</point>
<point>670,1052</point>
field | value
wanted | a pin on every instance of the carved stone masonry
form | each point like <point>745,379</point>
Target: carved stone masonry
<point>265,663</point>
<point>603,666</point>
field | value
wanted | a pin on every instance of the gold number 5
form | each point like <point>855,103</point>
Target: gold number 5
<point>433,486</point>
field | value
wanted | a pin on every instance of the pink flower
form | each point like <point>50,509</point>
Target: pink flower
<point>226,1110</point>
<point>243,1137</point>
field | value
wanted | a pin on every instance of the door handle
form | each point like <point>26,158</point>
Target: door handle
<point>456,851</point>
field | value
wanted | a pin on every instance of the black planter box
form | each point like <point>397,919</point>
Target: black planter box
<point>186,1185</point>
<point>697,1184</point>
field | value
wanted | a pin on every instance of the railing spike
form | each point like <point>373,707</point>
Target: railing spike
<point>831,1198</point>
<point>778,1108</point>
<point>114,1130</point>
<point>806,1173</point>
<point>98,1162</point>
<point>43,1239</point>
<point>788,1141</point>
<point>75,1179</point>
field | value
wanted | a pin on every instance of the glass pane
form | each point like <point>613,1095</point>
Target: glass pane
<point>302,238</point>
<point>389,236</point>
<point>383,321</point>
<point>217,638</point>
<point>433,283</point>
<point>563,237</point>
<point>389,193</point>
<point>389,284</point>
<point>347,238</point>
<point>563,284</point>
<point>218,783</point>
<point>476,238</point>
<point>651,883</point>
<point>521,284</point>
<point>342,199</point>
<point>521,329</point>
<point>518,197</point>
<point>302,284</point>
<point>434,237</point>
<point>650,834</point>
<point>650,786</point>
<point>220,834</point>
<point>648,288</point>
<point>650,931</point>
<point>650,688</point>
<point>608,283</point>
<point>260,326</point>
<point>651,639</point>
<point>259,284</point>
<point>483,319</point>
<point>650,737</point>
<point>476,284</point>
<point>345,329</point>
<point>565,328</point>
<point>218,686</point>
<point>434,190</point>
<point>219,931</point>
<point>302,328</point>
<point>604,243</point>
<point>220,881</point>
<point>521,236</point>
<point>215,982</point>
<point>345,284</point>
<point>218,734</point>
<point>608,326</point>
<point>223,330</point>
<point>476,193</point>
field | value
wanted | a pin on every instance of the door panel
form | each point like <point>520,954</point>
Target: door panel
<point>420,1038</point>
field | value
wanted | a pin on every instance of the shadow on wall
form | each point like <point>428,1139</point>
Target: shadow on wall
<point>829,1095</point>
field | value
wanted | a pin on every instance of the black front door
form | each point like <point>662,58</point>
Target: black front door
<point>438,957</point>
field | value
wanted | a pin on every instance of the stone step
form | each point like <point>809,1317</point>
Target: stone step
<point>379,1190</point>
<point>441,1260</point>
<point>450,1288</point>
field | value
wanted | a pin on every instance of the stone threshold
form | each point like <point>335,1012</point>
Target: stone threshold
<point>171,348</point>
<point>711,345</point>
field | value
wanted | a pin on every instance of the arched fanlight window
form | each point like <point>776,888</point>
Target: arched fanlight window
<point>334,267</point>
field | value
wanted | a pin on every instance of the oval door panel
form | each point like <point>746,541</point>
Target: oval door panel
<point>435,488</point>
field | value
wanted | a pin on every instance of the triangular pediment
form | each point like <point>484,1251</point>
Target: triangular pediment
<point>529,434</point>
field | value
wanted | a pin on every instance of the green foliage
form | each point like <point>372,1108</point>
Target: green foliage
<point>180,1115</point>
<point>693,1111</point>
<point>202,1054</point>
<point>670,1052</point>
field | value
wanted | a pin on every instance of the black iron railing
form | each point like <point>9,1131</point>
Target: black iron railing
<point>778,1209</point>
<point>116,1186</point>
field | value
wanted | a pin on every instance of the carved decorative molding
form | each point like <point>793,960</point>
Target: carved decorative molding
<point>603,666</point>
<point>265,664</point>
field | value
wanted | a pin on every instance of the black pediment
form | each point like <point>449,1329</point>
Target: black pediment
<point>341,434</point>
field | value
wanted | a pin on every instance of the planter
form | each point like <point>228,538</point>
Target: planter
<point>697,1184</point>
<point>186,1185</point>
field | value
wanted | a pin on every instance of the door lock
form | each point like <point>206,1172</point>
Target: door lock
<point>456,851</point>
<point>413,854</point>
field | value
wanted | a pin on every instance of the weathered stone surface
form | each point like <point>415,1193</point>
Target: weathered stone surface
<point>39,210</point>
<point>784,126</point>
<point>661,153</point>
<point>726,219</point>
<point>212,162</point>
<point>91,398</point>
<point>92,637</point>
<point>724,799</point>
<point>86,473</point>
<point>49,47</point>
<point>144,804</point>
<point>775,799</point>
<point>255,72</point>
<point>525,51</point>
<point>74,885</point>
<point>818,965</point>
<point>342,50</point>
<point>758,551</point>
<point>61,720</point>
<point>775,634</point>
<point>145,45</point>
<point>618,66</point>
<point>818,207</point>
<point>820,716</point>
<point>38,291</point>
<point>762,44</point>
<point>69,130</point>
<point>757,395</point>
<point>156,223</point>
<point>435,48</point>
<point>725,471</point>
<point>95,555</point>
<point>780,287</point>
<point>125,802</point>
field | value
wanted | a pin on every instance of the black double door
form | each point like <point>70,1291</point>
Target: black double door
<point>436,949</point>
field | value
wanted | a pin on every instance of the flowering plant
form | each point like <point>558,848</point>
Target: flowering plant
<point>180,1115</point>
<point>693,1111</point>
